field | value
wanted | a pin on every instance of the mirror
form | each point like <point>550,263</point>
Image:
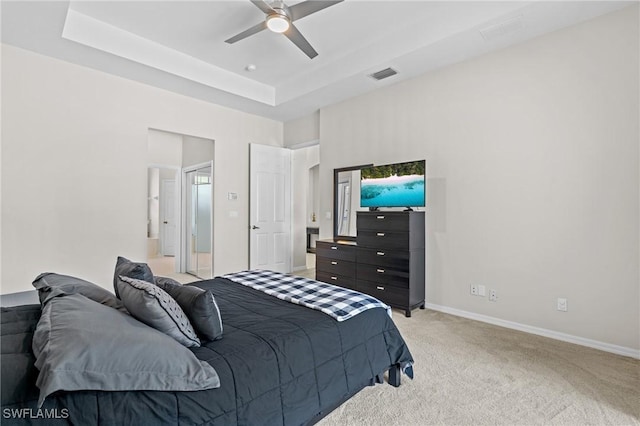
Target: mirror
<point>199,192</point>
<point>163,207</point>
<point>346,201</point>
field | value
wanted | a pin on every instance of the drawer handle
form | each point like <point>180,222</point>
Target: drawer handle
<point>334,278</point>
<point>380,253</point>
<point>379,287</point>
<point>380,234</point>
<point>380,271</point>
<point>334,248</point>
<point>379,217</point>
<point>334,263</point>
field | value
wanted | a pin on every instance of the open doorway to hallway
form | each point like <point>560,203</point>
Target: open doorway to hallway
<point>169,220</point>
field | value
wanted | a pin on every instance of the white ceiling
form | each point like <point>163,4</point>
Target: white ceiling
<point>179,45</point>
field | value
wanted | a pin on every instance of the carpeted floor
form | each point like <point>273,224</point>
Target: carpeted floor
<point>472,373</point>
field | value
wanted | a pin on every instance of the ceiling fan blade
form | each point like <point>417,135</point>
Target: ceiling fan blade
<point>298,39</point>
<point>308,7</point>
<point>246,33</point>
<point>263,6</point>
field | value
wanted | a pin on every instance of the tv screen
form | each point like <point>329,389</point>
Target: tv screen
<point>393,185</point>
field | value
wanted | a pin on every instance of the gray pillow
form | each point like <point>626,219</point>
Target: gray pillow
<point>82,345</point>
<point>47,281</point>
<point>127,268</point>
<point>199,305</point>
<point>154,307</point>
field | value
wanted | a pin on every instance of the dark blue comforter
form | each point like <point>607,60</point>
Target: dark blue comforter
<point>278,363</point>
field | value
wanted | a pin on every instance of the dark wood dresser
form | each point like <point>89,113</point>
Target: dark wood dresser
<point>387,261</point>
<point>336,263</point>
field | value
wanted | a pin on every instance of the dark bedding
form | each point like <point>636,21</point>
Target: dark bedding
<point>278,363</point>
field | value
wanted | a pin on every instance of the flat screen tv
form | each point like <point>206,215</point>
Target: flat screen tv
<point>393,185</point>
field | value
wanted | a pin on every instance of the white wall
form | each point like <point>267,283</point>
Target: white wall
<point>532,160</point>
<point>302,130</point>
<point>197,151</point>
<point>164,148</point>
<point>74,168</point>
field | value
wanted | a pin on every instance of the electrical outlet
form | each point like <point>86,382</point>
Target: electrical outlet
<point>481,290</point>
<point>493,295</point>
<point>562,304</point>
<point>474,289</point>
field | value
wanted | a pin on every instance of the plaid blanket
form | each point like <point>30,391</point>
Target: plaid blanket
<point>338,302</point>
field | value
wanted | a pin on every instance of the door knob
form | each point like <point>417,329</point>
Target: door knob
<point>255,227</point>
<point>165,222</point>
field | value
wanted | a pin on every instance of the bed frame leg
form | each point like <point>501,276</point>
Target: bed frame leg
<point>394,375</point>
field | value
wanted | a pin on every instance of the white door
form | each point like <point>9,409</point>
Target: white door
<point>168,217</point>
<point>270,243</point>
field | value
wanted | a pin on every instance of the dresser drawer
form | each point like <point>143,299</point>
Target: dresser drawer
<point>387,294</point>
<point>383,239</point>
<point>335,279</point>
<point>388,221</point>
<point>336,266</point>
<point>383,275</point>
<point>396,259</point>
<point>335,250</point>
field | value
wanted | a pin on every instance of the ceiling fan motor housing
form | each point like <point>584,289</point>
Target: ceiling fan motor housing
<point>279,20</point>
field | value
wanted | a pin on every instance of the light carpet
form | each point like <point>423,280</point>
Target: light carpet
<point>471,373</point>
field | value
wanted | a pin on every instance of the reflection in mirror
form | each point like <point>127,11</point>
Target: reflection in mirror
<point>346,206</point>
<point>162,213</point>
<point>199,211</point>
<point>346,201</point>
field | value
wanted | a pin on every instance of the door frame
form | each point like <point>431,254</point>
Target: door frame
<point>184,227</point>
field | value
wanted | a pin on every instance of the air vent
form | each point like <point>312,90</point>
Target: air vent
<point>380,75</point>
<point>501,29</point>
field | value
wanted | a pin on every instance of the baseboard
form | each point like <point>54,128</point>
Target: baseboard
<point>300,268</point>
<point>607,347</point>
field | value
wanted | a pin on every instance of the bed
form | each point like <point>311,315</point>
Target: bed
<point>279,363</point>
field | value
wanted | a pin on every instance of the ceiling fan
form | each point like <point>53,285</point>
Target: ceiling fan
<point>280,17</point>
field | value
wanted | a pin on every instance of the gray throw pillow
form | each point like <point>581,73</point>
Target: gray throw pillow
<point>199,305</point>
<point>127,268</point>
<point>154,307</point>
<point>82,345</point>
<point>48,281</point>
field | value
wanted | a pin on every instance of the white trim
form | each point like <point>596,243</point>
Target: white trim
<point>108,38</point>
<point>607,347</point>
<point>300,268</point>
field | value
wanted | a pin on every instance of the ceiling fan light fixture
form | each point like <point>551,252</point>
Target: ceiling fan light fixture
<point>278,23</point>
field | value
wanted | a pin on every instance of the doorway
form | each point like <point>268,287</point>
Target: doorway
<point>198,210</point>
